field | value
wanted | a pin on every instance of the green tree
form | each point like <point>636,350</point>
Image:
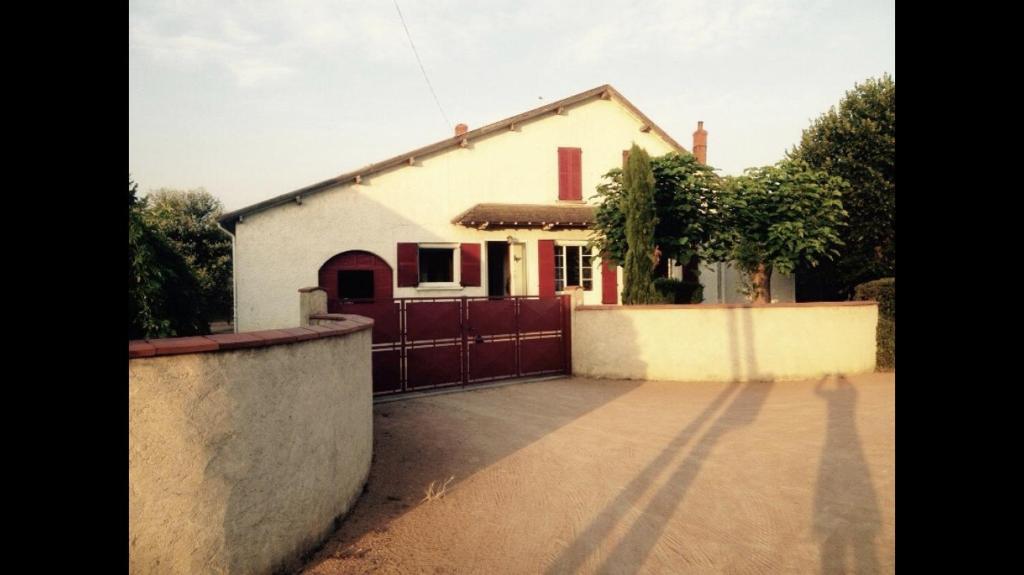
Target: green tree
<point>162,290</point>
<point>638,186</point>
<point>143,280</point>
<point>776,218</point>
<point>188,219</point>
<point>857,142</point>
<point>684,206</point>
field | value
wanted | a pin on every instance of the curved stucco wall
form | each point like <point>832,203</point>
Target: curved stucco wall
<point>280,250</point>
<point>240,461</point>
<point>724,342</point>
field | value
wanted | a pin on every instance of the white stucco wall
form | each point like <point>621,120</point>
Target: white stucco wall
<point>280,250</point>
<point>724,342</point>
<point>240,461</point>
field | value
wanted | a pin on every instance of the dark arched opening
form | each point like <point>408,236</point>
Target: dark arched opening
<point>356,276</point>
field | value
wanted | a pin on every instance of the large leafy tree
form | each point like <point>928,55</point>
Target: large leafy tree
<point>188,219</point>
<point>163,293</point>
<point>775,218</point>
<point>857,142</point>
<point>684,206</point>
<point>638,186</point>
<point>143,280</point>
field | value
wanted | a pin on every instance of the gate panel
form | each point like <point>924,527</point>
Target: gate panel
<point>492,317</point>
<point>539,315</point>
<point>387,371</point>
<point>386,327</point>
<point>541,355</point>
<point>433,366</point>
<point>492,360</point>
<point>432,319</point>
<point>421,343</point>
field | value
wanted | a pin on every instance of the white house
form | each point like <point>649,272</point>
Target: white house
<point>499,210</point>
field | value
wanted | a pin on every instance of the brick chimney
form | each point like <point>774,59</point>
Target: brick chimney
<point>461,129</point>
<point>700,143</point>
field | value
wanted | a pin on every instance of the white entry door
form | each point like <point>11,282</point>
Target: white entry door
<point>518,261</point>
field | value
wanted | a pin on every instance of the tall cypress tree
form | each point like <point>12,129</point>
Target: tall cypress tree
<point>638,185</point>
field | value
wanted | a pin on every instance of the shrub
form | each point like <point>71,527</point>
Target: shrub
<point>162,289</point>
<point>886,343</point>
<point>884,292</point>
<point>673,291</point>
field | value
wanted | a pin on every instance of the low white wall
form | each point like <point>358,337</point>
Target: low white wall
<point>240,460</point>
<point>724,342</point>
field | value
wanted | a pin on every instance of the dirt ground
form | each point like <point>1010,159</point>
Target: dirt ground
<point>595,476</point>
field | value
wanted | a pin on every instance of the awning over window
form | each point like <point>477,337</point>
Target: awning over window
<point>486,216</point>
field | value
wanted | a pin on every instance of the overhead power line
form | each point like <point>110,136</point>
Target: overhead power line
<point>422,69</point>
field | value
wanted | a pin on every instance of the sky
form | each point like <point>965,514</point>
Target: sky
<point>250,100</point>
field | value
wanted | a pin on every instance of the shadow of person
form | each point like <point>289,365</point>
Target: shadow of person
<point>847,519</point>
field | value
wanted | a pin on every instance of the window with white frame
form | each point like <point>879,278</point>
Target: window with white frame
<point>573,266</point>
<point>438,265</point>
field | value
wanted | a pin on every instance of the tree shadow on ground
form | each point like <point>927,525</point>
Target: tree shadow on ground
<point>454,436</point>
<point>632,550</point>
<point>427,438</point>
<point>634,547</point>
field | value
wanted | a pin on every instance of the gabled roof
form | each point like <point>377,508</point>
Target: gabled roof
<point>606,92</point>
<point>546,216</point>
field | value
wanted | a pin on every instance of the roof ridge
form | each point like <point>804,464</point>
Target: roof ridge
<point>605,91</point>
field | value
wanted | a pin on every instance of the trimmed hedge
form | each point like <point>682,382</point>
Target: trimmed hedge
<point>674,291</point>
<point>884,292</point>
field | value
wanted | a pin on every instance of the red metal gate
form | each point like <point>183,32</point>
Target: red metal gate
<point>424,343</point>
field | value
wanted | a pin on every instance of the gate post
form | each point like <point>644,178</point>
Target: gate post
<point>312,301</point>
<point>464,324</point>
<point>567,304</point>
<point>574,299</point>
<point>516,308</point>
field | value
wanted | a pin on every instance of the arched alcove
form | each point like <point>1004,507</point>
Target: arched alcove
<point>357,276</point>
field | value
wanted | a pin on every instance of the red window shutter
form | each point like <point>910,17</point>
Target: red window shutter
<point>570,180</point>
<point>470,262</point>
<point>546,261</point>
<point>576,187</point>
<point>408,265</point>
<point>563,173</point>
<point>609,283</point>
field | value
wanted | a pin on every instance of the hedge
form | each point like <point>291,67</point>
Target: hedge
<point>884,292</point>
<point>674,291</point>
